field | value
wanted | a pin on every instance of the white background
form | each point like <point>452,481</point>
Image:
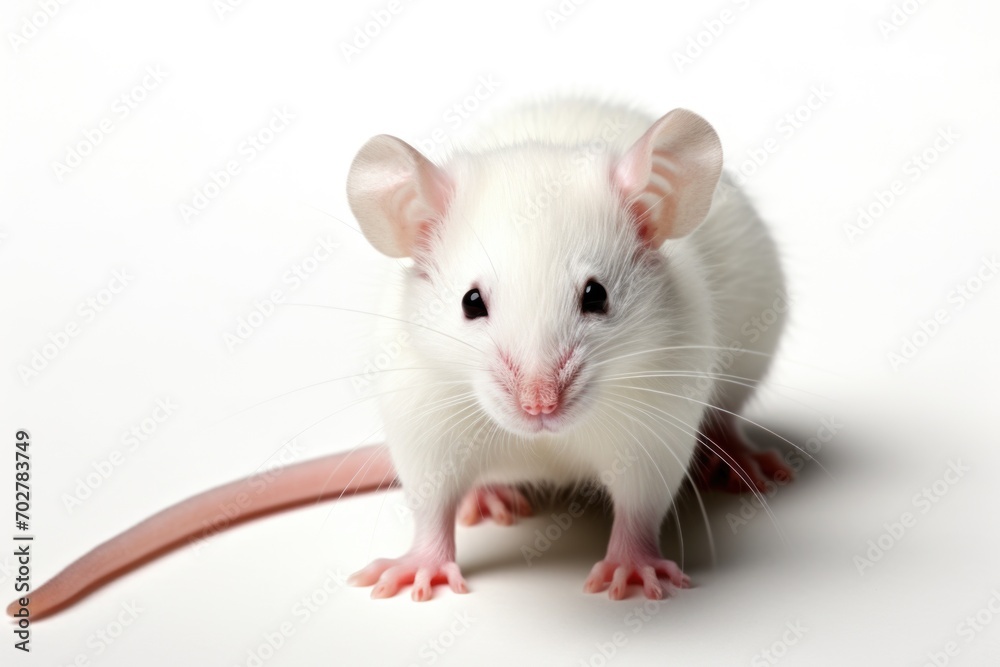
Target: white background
<point>898,427</point>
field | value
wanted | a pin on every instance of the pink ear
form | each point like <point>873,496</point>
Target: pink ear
<point>395,192</point>
<point>669,175</point>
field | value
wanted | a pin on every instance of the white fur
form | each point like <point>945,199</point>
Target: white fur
<point>448,425</point>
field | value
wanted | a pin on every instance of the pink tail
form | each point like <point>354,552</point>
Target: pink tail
<point>365,469</point>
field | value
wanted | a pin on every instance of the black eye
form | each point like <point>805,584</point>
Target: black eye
<point>595,298</point>
<point>473,305</point>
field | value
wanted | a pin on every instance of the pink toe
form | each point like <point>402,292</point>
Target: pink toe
<point>454,576</point>
<point>498,509</point>
<point>594,584</point>
<point>653,591</point>
<point>515,501</point>
<point>599,575</point>
<point>390,581</point>
<point>421,586</point>
<point>650,583</point>
<point>419,569</point>
<point>468,511</point>
<point>501,503</point>
<point>368,575</point>
<point>645,571</point>
<point>619,583</point>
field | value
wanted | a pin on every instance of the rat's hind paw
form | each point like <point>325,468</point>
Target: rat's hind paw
<point>391,574</point>
<point>645,572</point>
<point>504,504</point>
<point>725,460</point>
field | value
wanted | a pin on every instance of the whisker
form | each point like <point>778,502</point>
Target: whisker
<point>313,385</point>
<point>672,348</point>
<point>722,377</point>
<point>717,449</point>
<point>670,491</point>
<point>336,412</point>
<point>715,347</point>
<point>694,432</point>
<point>734,414</point>
<point>388,317</point>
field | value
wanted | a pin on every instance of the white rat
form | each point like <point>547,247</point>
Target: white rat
<point>585,269</point>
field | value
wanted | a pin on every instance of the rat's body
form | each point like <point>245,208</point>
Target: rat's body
<point>530,217</point>
<point>589,347</point>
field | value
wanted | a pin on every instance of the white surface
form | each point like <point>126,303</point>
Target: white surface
<point>163,335</point>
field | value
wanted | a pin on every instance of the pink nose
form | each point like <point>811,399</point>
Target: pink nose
<point>539,397</point>
<point>539,408</point>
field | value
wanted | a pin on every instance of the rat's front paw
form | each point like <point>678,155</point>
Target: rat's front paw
<point>391,574</point>
<point>643,571</point>
<point>504,504</point>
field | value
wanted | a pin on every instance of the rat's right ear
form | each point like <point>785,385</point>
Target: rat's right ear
<point>394,192</point>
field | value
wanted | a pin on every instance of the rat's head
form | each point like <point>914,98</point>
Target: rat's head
<point>548,265</point>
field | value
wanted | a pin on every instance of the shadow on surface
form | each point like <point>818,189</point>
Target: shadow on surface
<point>553,538</point>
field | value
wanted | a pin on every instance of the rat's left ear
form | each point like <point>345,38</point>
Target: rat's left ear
<point>395,192</point>
<point>669,175</point>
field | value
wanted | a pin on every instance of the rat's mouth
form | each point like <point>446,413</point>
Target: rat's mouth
<point>538,423</point>
<point>557,421</point>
